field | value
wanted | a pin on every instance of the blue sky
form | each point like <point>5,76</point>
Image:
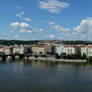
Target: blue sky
<point>46,19</point>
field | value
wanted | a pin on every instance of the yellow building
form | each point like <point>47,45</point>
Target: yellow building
<point>38,49</point>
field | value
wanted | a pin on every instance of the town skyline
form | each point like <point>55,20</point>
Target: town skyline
<point>46,19</point>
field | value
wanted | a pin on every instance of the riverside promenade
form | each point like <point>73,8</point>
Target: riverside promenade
<point>54,60</point>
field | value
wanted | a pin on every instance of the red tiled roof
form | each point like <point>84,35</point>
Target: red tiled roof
<point>89,46</point>
<point>68,45</point>
<point>4,47</point>
<point>39,45</point>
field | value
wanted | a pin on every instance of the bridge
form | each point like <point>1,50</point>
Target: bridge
<point>3,57</point>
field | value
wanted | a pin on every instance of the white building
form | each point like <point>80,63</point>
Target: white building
<point>87,50</point>
<point>68,49</point>
<point>1,50</point>
<point>60,49</point>
<point>18,49</point>
<point>7,51</point>
<point>21,51</point>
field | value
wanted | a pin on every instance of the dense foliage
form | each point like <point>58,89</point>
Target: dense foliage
<point>77,42</point>
<point>72,56</point>
<point>19,42</point>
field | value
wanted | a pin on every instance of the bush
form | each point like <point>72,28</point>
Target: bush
<point>89,59</point>
<point>57,56</point>
<point>63,55</point>
<point>36,56</point>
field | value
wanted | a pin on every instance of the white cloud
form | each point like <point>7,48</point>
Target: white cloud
<point>26,19</point>
<point>21,25</point>
<point>38,30</point>
<point>51,36</point>
<point>24,25</point>
<point>57,27</point>
<point>31,30</point>
<point>20,15</point>
<point>84,30</point>
<point>16,37</point>
<point>64,33</point>
<point>25,31</point>
<point>15,24</point>
<point>51,22</point>
<point>85,26</point>
<point>22,30</point>
<point>53,6</point>
<point>81,32</point>
<point>60,28</point>
<point>25,28</point>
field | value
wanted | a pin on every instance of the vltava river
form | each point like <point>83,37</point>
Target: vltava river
<point>42,77</point>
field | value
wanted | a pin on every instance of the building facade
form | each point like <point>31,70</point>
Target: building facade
<point>18,49</point>
<point>87,50</point>
<point>60,49</point>
<point>70,49</point>
<point>38,49</point>
<point>67,49</point>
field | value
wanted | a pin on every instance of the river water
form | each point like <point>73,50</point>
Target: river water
<point>45,77</point>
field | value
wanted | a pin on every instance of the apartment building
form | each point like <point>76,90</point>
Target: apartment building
<point>87,50</point>
<point>39,49</point>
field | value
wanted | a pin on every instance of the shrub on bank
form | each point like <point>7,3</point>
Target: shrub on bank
<point>36,56</point>
<point>57,56</point>
<point>89,59</point>
<point>71,56</point>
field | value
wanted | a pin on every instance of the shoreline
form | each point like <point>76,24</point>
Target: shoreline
<point>54,60</point>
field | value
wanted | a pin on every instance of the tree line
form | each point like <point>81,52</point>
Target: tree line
<point>19,42</point>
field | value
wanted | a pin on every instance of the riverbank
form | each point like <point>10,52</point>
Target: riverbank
<point>54,60</point>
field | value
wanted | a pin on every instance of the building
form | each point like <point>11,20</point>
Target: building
<point>39,49</point>
<point>67,49</point>
<point>27,49</point>
<point>60,49</point>
<point>1,50</point>
<point>48,49</point>
<point>18,49</point>
<point>87,50</point>
<point>70,49</point>
<point>7,50</point>
<point>78,49</point>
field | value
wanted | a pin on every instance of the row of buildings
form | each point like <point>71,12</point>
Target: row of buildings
<point>44,49</point>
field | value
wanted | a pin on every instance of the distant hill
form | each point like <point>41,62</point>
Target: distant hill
<point>19,42</point>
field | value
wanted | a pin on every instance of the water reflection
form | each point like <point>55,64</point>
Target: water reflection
<point>18,66</point>
<point>20,76</point>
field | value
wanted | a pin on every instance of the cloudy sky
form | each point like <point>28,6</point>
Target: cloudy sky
<point>46,19</point>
